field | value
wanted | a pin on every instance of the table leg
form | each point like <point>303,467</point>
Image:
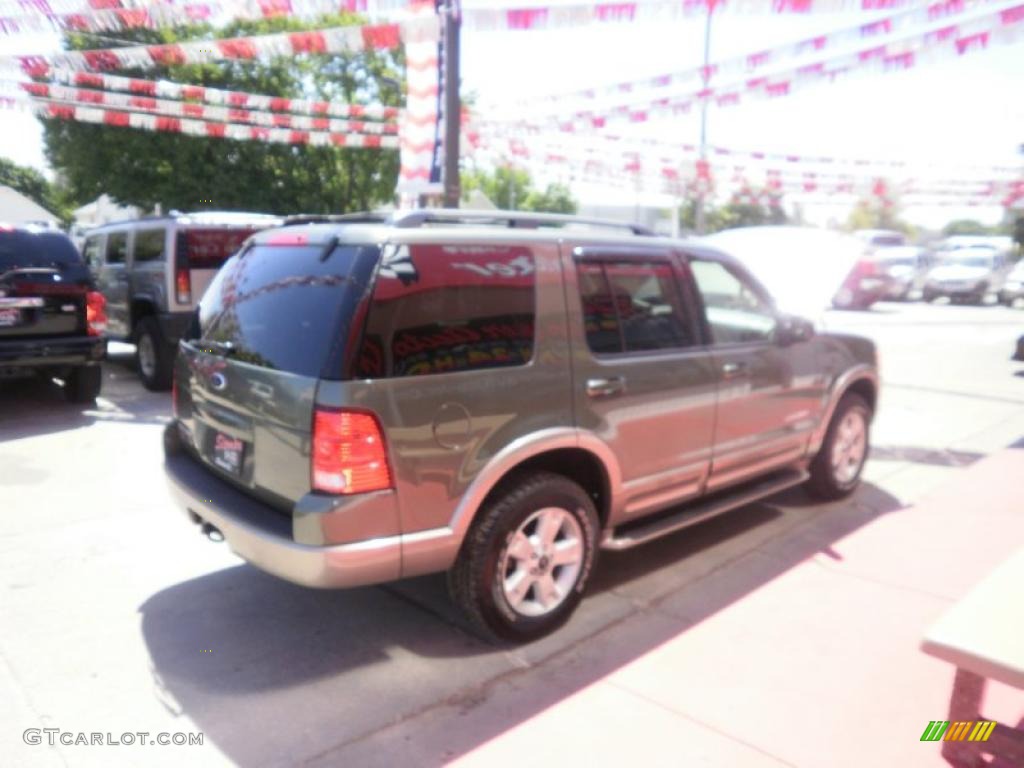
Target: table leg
<point>964,705</point>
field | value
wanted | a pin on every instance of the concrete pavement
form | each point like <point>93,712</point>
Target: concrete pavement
<point>118,617</point>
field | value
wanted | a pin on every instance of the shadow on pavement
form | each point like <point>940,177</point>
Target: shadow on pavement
<point>37,406</point>
<point>278,674</point>
<point>938,458</point>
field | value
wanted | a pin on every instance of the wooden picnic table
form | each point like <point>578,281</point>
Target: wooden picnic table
<point>982,635</point>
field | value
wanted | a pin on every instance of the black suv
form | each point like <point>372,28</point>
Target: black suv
<point>51,319</point>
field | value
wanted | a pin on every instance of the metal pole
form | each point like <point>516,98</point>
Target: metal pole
<point>452,104</point>
<point>699,219</point>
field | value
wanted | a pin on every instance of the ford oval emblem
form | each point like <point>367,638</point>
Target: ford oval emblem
<point>218,381</point>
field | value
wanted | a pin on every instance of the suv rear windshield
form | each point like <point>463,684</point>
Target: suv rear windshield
<point>286,307</point>
<point>20,249</point>
<point>209,248</point>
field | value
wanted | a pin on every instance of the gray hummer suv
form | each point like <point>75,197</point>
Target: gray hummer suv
<point>499,396</point>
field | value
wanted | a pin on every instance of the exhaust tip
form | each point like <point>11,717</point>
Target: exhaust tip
<point>212,532</point>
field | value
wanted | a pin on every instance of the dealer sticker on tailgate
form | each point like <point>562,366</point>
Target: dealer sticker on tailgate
<point>228,452</point>
<point>9,317</point>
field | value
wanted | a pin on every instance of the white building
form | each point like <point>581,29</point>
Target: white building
<point>15,208</point>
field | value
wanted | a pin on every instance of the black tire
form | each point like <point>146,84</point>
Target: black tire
<point>824,482</point>
<point>82,384</point>
<point>155,374</point>
<point>474,582</point>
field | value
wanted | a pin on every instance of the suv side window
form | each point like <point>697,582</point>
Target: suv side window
<point>632,307</point>
<point>117,248</point>
<point>91,254</point>
<point>442,308</point>
<point>735,310</point>
<point>150,245</point>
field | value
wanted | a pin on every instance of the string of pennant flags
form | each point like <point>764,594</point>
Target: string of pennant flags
<point>112,15</point>
<point>749,64</point>
<point>218,96</point>
<point>197,127</point>
<point>332,40</point>
<point>1000,27</point>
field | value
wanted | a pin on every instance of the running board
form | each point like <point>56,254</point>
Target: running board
<point>633,534</point>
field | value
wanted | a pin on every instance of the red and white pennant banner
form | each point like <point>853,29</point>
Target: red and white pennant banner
<point>333,40</point>
<point>763,60</point>
<point>1001,27</point>
<point>420,123</point>
<point>219,97</point>
<point>198,128</point>
<point>105,15</point>
<point>517,142</point>
<point>109,15</point>
<point>86,97</point>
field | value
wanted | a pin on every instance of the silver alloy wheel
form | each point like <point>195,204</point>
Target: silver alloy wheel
<point>850,447</point>
<point>147,356</point>
<point>542,561</point>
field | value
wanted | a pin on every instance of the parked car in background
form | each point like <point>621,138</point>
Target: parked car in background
<point>808,269</point>
<point>881,238</point>
<point>905,267</point>
<point>496,395</point>
<point>1011,292</point>
<point>51,317</point>
<point>965,274</point>
<point>153,271</point>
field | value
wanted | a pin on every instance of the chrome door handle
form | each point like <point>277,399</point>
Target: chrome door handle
<point>732,370</point>
<point>606,387</point>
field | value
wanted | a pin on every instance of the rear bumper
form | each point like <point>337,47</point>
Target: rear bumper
<point>43,353</point>
<point>263,537</point>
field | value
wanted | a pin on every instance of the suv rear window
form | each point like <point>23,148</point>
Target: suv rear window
<point>50,250</point>
<point>284,307</point>
<point>209,248</point>
<point>442,308</point>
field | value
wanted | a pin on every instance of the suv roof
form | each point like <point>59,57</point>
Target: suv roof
<point>411,219</point>
<point>205,218</point>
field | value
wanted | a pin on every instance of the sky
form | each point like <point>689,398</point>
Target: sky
<point>947,114</point>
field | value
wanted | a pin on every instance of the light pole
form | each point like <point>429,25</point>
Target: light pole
<point>452,103</point>
<point>699,218</point>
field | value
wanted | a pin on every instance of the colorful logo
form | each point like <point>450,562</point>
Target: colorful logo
<point>943,730</point>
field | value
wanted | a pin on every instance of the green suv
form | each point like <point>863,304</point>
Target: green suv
<point>495,395</point>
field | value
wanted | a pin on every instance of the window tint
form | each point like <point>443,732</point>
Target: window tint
<point>284,307</point>
<point>735,311</point>
<point>21,248</point>
<point>149,245</point>
<point>209,248</point>
<point>117,247</point>
<point>632,307</point>
<point>91,252</point>
<point>440,309</point>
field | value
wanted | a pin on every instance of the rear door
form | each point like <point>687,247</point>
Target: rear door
<point>642,381</point>
<point>112,280</point>
<point>270,327</point>
<point>43,283</point>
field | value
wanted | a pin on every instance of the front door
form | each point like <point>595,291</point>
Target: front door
<point>768,395</point>
<point>643,384</point>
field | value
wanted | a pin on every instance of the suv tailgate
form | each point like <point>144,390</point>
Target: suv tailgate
<point>274,321</point>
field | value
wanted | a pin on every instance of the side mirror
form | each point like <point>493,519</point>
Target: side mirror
<point>793,329</point>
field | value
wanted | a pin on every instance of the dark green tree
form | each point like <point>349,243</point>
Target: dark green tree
<point>190,173</point>
<point>967,227</point>
<point>752,208</point>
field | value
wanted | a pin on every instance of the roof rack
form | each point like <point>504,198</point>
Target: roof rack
<point>511,219</point>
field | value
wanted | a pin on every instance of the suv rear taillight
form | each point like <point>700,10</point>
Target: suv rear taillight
<point>183,285</point>
<point>95,313</point>
<point>349,455</point>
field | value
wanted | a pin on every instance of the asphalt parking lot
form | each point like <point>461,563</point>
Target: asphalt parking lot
<point>118,617</point>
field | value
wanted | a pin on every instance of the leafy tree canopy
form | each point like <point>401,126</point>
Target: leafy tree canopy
<point>192,173</point>
<point>512,189</point>
<point>968,227</point>
<point>756,207</point>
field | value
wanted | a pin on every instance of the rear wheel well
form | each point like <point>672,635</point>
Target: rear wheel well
<point>576,464</point>
<point>865,389</point>
<point>141,308</point>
